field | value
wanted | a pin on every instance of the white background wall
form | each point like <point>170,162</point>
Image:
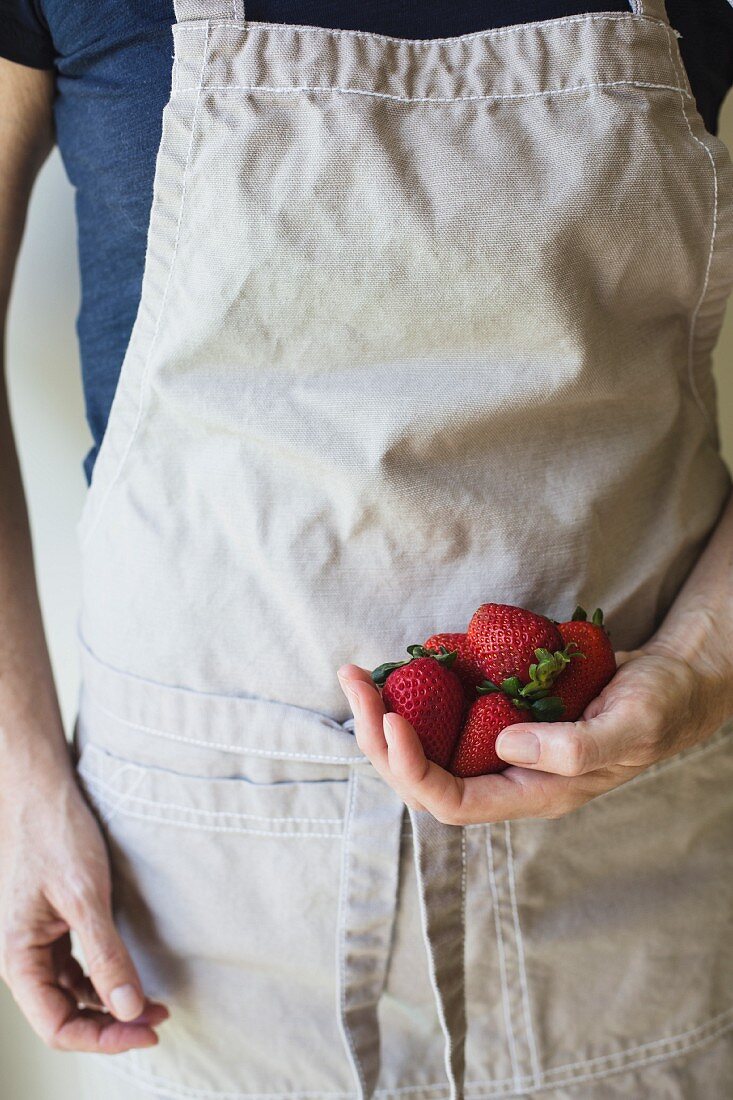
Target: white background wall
<point>47,407</point>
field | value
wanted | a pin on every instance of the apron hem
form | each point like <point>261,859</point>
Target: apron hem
<point>163,1089</point>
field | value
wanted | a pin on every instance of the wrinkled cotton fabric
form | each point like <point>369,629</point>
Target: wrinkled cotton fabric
<point>423,323</point>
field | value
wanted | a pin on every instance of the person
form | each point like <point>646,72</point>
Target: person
<point>426,319</point>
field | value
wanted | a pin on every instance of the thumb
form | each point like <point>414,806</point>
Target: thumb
<point>567,748</point>
<point>108,962</point>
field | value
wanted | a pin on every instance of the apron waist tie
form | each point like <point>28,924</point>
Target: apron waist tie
<point>368,907</point>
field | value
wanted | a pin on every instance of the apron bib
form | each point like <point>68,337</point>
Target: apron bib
<point>423,323</point>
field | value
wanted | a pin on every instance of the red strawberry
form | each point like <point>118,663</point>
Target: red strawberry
<point>475,753</point>
<point>465,666</point>
<point>585,677</point>
<point>504,639</point>
<point>429,695</point>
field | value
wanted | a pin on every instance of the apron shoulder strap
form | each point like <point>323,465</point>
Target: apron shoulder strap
<point>651,9</point>
<point>187,10</point>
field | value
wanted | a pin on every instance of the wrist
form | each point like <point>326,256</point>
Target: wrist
<point>36,760</point>
<point>703,641</point>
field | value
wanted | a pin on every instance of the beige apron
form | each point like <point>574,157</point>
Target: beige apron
<point>423,323</point>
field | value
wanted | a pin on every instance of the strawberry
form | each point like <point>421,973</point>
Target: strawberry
<point>466,666</point>
<point>475,753</point>
<point>494,710</point>
<point>582,680</point>
<point>505,638</point>
<point>429,695</point>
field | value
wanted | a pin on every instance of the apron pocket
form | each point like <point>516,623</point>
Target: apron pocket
<point>622,916</point>
<point>226,892</point>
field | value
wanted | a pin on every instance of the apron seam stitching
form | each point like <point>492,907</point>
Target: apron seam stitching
<point>640,1063</point>
<point>342,942</point>
<point>133,682</point>
<point>727,1014</point>
<point>223,745</point>
<point>102,785</point>
<point>328,88</point>
<point>116,806</point>
<point>405,832</point>
<point>419,846</point>
<point>211,828</point>
<point>493,32</point>
<point>534,1057</point>
<point>122,460</point>
<point>692,339</point>
<point>159,1083</point>
<point>501,954</point>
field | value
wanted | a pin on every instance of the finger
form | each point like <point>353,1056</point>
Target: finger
<point>55,1016</point>
<point>520,793</point>
<point>92,1031</point>
<point>80,987</point>
<point>154,1014</point>
<point>509,795</point>
<point>515,793</point>
<point>623,656</point>
<point>71,977</point>
<point>422,781</point>
<point>85,995</point>
<point>569,748</point>
<point>368,709</point>
<point>108,962</point>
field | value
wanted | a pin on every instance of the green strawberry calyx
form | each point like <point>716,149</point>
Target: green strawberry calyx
<point>543,708</point>
<point>580,615</point>
<point>535,695</point>
<point>545,671</point>
<point>442,655</point>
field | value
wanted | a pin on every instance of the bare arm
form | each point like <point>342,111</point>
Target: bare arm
<point>30,724</point>
<point>54,873</point>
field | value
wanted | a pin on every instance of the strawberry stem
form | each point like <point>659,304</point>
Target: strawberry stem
<point>443,656</point>
<point>487,687</point>
<point>549,709</point>
<point>580,615</point>
<point>548,667</point>
<point>543,706</point>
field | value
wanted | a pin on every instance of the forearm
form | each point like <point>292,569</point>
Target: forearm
<point>699,625</point>
<point>31,733</point>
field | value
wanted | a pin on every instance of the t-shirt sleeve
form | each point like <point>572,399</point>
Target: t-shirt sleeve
<point>24,35</point>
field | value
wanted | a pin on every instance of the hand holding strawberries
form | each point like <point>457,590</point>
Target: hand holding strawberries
<point>612,724</point>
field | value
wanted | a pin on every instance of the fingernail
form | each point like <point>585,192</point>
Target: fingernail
<point>126,1002</point>
<point>388,729</point>
<point>524,748</point>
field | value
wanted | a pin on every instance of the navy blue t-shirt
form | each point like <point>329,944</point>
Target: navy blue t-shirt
<point>113,67</point>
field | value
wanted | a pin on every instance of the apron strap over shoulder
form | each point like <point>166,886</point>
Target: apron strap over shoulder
<point>651,9</point>
<point>187,10</point>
